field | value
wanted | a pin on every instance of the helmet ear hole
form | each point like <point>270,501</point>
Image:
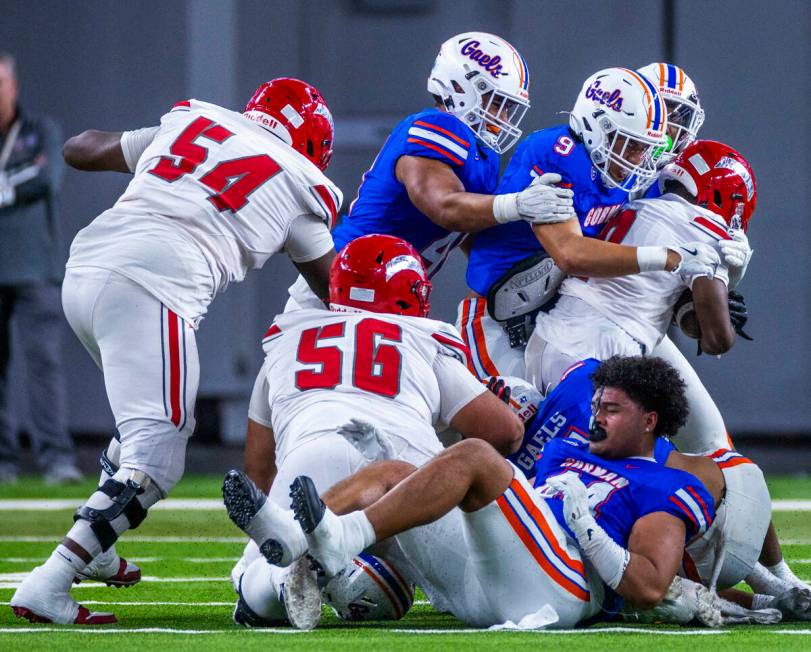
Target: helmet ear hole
<point>310,148</point>
<point>716,196</point>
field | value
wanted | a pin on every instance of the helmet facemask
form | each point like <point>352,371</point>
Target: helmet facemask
<point>684,119</point>
<point>617,147</point>
<point>496,116</point>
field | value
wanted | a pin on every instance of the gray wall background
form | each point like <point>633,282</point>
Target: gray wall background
<point>116,65</point>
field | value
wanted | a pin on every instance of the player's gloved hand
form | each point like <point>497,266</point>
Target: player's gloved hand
<point>539,203</point>
<point>500,388</point>
<point>736,254</point>
<point>735,614</point>
<point>697,259</point>
<point>7,194</point>
<point>608,557</point>
<point>575,502</point>
<point>738,314</point>
<point>370,442</point>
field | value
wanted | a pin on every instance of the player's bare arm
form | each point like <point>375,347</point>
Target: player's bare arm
<point>95,151</point>
<point>656,546</point>
<point>580,256</point>
<point>439,194</point>
<point>316,273</point>
<point>260,455</point>
<point>488,418</point>
<point>712,312</point>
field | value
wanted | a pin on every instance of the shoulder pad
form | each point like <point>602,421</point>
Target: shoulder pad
<point>272,333</point>
<point>439,136</point>
<point>449,343</point>
<point>325,201</point>
<point>184,105</point>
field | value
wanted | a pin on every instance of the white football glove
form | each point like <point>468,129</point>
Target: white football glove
<point>575,501</point>
<point>370,442</point>
<point>697,259</point>
<point>608,557</point>
<point>7,193</point>
<point>539,203</point>
<point>736,254</point>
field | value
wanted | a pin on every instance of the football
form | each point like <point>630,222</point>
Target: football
<point>684,315</point>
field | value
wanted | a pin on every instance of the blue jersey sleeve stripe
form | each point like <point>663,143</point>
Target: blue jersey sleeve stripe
<point>437,149</point>
<point>422,123</point>
<point>447,143</point>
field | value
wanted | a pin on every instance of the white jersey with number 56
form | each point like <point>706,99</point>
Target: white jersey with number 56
<point>214,195</point>
<point>405,375</point>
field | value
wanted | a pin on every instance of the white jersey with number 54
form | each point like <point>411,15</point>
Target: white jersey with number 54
<point>214,195</point>
<point>405,375</point>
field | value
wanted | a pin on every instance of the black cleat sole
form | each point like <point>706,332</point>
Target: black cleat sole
<point>307,506</point>
<point>242,498</point>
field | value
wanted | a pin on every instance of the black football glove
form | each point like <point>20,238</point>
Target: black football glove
<point>501,389</point>
<point>738,314</point>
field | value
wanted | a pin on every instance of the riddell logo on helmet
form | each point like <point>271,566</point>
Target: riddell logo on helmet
<point>490,64</point>
<point>611,99</point>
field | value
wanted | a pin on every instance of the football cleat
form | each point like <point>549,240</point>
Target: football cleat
<point>39,600</point>
<point>272,528</point>
<point>302,595</point>
<point>306,504</point>
<point>112,570</point>
<point>794,604</point>
<point>326,537</point>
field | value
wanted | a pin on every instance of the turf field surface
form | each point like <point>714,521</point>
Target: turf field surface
<point>185,599</point>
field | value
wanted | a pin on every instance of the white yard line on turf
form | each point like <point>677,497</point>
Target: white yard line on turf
<point>206,504</point>
<point>48,504</point>
<point>142,630</point>
<point>191,560</point>
<point>149,604</point>
<point>561,632</point>
<point>133,539</point>
<point>12,581</point>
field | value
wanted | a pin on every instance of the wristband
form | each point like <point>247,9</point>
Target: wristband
<point>608,557</point>
<point>505,208</point>
<point>651,259</point>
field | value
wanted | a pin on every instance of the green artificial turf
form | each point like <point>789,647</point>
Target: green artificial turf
<point>194,624</point>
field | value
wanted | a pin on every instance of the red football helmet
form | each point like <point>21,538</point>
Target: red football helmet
<point>297,113</point>
<point>380,273</point>
<point>718,177</point>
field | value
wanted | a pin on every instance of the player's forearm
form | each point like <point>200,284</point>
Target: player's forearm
<point>580,256</point>
<point>712,312</point>
<point>95,151</point>
<point>643,584</point>
<point>465,212</point>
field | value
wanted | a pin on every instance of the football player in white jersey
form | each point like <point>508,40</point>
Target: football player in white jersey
<point>709,189</point>
<point>214,193</point>
<point>374,356</point>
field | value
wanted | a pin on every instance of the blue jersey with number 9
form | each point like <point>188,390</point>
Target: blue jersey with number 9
<point>556,150</point>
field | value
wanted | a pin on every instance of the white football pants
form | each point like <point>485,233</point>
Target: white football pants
<point>490,352</point>
<point>148,356</point>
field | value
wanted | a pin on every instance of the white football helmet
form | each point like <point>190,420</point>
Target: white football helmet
<point>622,120</point>
<point>483,81</point>
<point>684,113</point>
<point>369,588</point>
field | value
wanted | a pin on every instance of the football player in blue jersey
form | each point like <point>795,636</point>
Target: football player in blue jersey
<point>604,501</point>
<point>435,177</point>
<point>606,152</point>
<point>742,502</point>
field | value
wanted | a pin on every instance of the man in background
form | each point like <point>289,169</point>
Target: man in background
<point>30,277</point>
